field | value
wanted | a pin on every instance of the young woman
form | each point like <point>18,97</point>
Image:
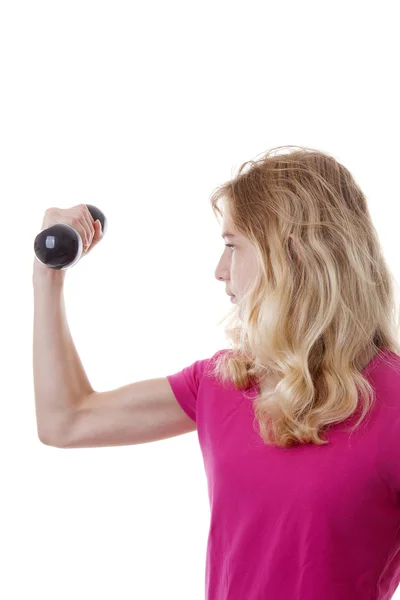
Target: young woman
<point>299,421</point>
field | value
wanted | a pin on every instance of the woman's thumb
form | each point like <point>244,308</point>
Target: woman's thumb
<point>99,228</point>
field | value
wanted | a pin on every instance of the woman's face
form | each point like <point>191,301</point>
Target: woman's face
<point>237,265</point>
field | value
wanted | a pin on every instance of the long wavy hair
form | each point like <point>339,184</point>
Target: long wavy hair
<point>321,304</point>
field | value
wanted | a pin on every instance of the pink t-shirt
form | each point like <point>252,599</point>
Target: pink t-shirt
<point>302,523</point>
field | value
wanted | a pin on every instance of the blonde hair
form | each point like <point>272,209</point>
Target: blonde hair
<point>308,323</point>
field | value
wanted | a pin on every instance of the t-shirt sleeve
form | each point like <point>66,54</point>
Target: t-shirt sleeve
<point>185,385</point>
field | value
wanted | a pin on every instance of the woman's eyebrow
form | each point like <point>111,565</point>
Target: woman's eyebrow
<point>226,234</point>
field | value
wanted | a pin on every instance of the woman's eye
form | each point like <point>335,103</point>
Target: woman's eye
<point>230,246</point>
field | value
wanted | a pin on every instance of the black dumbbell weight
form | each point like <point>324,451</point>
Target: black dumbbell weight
<point>60,246</point>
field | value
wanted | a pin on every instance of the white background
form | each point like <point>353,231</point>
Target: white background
<point>143,108</point>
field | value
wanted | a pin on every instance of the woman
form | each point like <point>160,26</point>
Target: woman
<point>299,421</point>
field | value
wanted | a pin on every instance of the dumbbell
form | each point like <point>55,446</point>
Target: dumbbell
<point>60,246</point>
